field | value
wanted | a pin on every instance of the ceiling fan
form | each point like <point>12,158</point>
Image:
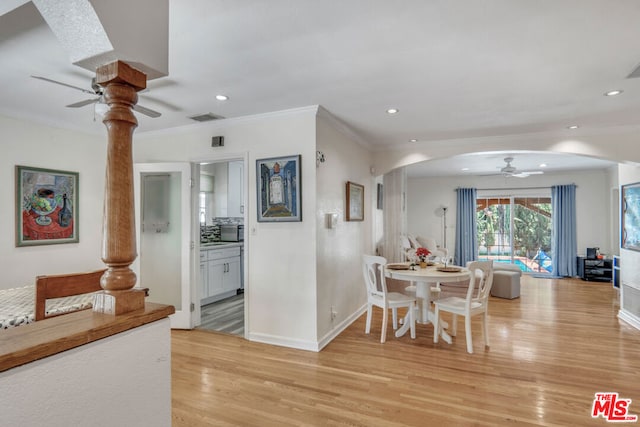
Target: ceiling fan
<point>96,90</point>
<point>509,170</point>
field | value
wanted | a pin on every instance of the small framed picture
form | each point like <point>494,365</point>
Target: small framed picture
<point>355,202</point>
<point>279,189</point>
<point>46,206</point>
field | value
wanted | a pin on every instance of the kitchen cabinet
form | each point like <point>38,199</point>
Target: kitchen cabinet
<point>220,273</point>
<point>235,207</point>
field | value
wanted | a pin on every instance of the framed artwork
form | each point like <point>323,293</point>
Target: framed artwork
<point>379,198</point>
<point>279,189</point>
<point>46,206</point>
<point>355,202</point>
<point>630,230</point>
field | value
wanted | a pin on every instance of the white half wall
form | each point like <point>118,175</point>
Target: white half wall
<point>593,199</point>
<point>103,383</point>
<point>29,144</point>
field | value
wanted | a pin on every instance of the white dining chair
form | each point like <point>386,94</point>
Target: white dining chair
<point>378,295</point>
<point>476,302</point>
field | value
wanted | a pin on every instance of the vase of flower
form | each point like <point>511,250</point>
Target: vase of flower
<point>423,253</point>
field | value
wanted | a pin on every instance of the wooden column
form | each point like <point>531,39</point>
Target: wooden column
<point>121,84</point>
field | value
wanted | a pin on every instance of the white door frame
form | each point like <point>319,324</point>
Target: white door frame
<point>183,318</point>
<point>196,230</point>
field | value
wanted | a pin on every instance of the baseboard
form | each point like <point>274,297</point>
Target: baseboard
<point>629,318</point>
<point>283,341</point>
<point>337,330</point>
<point>307,345</point>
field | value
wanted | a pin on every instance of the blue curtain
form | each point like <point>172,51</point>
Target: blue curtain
<point>466,229</point>
<point>563,239</point>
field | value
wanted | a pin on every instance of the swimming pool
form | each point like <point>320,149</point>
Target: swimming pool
<point>521,265</point>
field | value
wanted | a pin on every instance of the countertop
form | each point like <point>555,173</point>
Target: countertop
<point>220,245</point>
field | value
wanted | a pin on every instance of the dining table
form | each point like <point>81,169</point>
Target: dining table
<point>424,278</point>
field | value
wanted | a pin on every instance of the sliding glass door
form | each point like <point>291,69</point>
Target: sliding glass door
<point>516,230</point>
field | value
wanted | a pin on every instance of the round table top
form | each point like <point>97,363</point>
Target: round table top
<point>429,274</point>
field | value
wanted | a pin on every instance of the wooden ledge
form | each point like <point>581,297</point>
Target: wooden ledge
<point>45,338</point>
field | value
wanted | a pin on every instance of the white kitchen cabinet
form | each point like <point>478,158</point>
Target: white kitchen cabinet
<point>220,273</point>
<point>204,276</point>
<point>235,207</point>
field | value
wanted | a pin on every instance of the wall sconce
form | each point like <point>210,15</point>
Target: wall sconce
<point>319,158</point>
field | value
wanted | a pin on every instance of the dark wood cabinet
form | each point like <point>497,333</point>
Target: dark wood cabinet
<point>599,270</point>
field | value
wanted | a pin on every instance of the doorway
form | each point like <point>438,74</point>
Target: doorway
<point>221,216</point>
<point>516,230</point>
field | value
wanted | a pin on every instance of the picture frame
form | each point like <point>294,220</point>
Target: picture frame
<point>46,206</point>
<point>355,202</point>
<point>279,189</point>
<point>630,216</point>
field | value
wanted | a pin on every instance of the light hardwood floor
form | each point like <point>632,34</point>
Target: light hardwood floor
<point>551,350</point>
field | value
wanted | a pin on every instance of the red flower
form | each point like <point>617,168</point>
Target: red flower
<point>422,253</point>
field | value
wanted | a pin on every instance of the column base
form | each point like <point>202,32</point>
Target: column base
<point>119,302</point>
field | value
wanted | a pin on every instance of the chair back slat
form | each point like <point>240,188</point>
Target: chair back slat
<point>480,281</point>
<point>373,271</point>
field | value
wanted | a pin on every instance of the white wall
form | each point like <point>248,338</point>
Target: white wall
<point>340,249</point>
<point>103,383</point>
<point>280,287</point>
<point>593,195</point>
<point>30,144</point>
<point>629,262</point>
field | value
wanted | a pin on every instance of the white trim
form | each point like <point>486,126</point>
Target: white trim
<point>283,341</point>
<point>342,127</point>
<point>338,329</point>
<point>629,318</point>
<point>308,345</point>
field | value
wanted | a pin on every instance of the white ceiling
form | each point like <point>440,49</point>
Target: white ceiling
<point>454,69</point>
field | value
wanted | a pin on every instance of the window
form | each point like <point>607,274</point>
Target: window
<point>517,230</point>
<point>203,208</point>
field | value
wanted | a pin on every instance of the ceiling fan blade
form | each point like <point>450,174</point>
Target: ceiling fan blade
<point>83,103</point>
<point>525,174</point>
<point>146,111</point>
<point>64,84</point>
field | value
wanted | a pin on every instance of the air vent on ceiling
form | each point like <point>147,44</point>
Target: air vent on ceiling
<point>206,117</point>
<point>635,73</point>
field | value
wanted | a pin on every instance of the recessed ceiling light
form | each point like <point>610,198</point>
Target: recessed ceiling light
<point>222,97</point>
<point>542,165</point>
<point>573,127</point>
<point>465,169</point>
<point>392,111</point>
<point>413,140</point>
<point>613,92</point>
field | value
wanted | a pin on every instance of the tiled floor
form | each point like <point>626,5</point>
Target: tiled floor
<point>224,316</point>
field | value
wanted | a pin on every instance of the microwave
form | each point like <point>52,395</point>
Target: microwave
<point>231,233</point>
